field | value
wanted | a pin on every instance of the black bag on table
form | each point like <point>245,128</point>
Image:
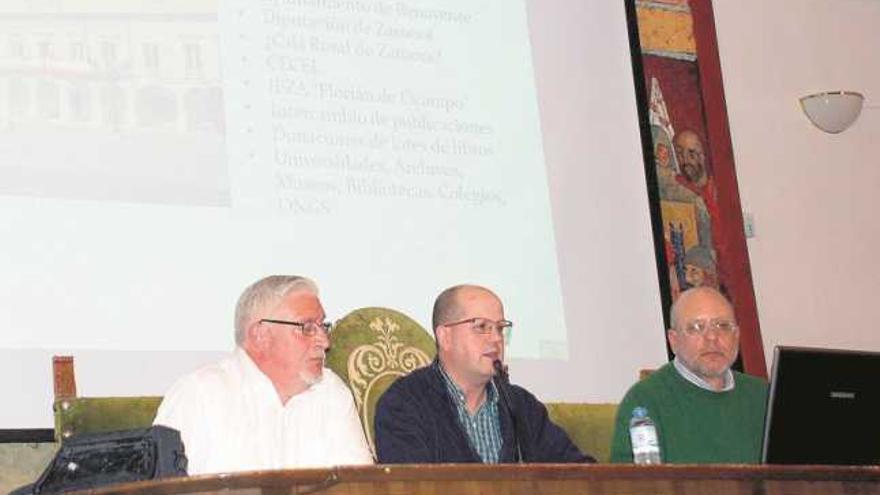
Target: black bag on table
<point>94,460</point>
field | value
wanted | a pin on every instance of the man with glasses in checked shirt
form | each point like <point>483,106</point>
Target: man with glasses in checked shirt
<point>453,411</point>
<point>704,412</point>
<point>271,404</point>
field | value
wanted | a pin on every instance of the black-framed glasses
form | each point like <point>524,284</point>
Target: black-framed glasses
<point>699,327</point>
<point>485,326</point>
<point>306,328</point>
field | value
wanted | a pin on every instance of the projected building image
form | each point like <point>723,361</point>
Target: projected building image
<point>112,103</point>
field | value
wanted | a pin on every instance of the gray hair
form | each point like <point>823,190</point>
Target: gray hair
<point>676,306</point>
<point>264,291</point>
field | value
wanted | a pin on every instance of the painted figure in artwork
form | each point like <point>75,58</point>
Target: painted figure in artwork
<point>700,268</point>
<point>690,173</point>
<point>687,218</point>
<point>695,176</point>
<point>692,161</point>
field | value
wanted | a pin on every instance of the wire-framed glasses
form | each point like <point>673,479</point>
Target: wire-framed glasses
<point>699,327</point>
<point>485,326</point>
<point>306,328</point>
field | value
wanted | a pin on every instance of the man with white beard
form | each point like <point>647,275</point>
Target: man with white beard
<point>271,404</point>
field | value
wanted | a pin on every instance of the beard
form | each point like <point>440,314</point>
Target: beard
<point>714,370</point>
<point>694,173</point>
<point>710,372</point>
<point>310,378</point>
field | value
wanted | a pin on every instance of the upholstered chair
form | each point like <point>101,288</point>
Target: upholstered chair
<point>590,426</point>
<point>372,347</point>
<point>75,415</point>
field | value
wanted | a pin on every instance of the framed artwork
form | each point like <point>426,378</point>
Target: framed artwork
<point>694,199</point>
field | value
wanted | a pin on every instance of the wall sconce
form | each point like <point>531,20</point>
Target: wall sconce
<point>833,111</point>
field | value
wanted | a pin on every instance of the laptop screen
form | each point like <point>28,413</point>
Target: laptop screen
<point>824,407</point>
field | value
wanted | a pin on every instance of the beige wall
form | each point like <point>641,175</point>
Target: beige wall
<point>814,196</point>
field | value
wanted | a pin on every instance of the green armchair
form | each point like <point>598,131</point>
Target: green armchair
<point>590,426</point>
<point>372,347</point>
<point>77,415</point>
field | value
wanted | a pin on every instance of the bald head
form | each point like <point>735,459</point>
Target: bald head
<point>691,301</point>
<point>450,304</point>
<point>687,137</point>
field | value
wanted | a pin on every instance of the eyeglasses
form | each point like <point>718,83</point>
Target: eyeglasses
<point>306,328</point>
<point>701,326</point>
<point>485,326</point>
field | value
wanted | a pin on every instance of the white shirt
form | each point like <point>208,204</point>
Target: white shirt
<point>230,418</point>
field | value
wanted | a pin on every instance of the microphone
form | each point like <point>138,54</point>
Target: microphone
<point>501,371</point>
<point>502,382</point>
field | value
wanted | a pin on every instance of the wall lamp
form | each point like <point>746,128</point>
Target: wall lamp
<point>833,111</point>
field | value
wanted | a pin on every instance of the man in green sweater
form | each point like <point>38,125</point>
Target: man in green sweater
<point>704,412</point>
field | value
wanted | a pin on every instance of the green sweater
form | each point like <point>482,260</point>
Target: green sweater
<point>696,425</point>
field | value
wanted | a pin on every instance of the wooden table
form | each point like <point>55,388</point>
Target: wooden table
<point>452,479</point>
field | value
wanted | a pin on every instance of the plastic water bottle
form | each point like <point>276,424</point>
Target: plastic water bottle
<point>643,435</point>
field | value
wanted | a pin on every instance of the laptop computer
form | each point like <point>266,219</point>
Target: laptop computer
<point>824,407</point>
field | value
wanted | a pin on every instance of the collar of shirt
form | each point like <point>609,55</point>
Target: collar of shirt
<point>458,395</point>
<point>483,428</point>
<point>696,380</point>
